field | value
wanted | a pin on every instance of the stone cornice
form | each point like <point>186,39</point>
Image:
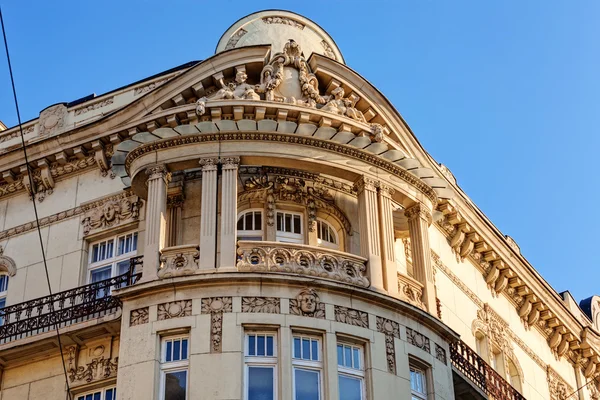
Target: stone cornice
<point>285,138</point>
<point>507,272</point>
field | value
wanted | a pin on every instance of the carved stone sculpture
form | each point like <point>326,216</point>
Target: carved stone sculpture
<point>269,305</point>
<point>178,261</point>
<point>52,119</point>
<point>111,213</point>
<point>238,89</point>
<point>139,316</point>
<point>216,306</point>
<point>351,316</point>
<point>174,309</point>
<point>307,304</point>
<point>337,104</point>
<point>390,329</point>
<point>418,340</point>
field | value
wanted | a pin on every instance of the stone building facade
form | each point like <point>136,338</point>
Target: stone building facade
<point>264,225</point>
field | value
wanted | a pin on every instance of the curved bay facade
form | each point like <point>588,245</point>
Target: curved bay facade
<point>264,225</point>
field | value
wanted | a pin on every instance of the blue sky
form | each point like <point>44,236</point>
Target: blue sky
<point>505,93</point>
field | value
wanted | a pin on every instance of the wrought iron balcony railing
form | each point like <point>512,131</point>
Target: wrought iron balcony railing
<point>64,308</point>
<point>467,361</point>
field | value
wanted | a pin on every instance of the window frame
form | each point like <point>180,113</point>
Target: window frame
<point>261,361</point>
<point>290,237</point>
<point>102,390</point>
<point>356,373</point>
<point>330,228</point>
<point>114,260</point>
<point>3,293</point>
<point>167,367</point>
<point>424,371</point>
<point>308,365</point>
<point>254,232</point>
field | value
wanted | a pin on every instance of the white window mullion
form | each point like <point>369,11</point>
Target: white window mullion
<point>260,370</point>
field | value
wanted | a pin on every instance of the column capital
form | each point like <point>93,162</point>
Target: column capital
<point>175,200</point>
<point>418,211</point>
<point>230,162</point>
<point>386,190</point>
<point>158,171</point>
<point>366,183</point>
<point>209,164</point>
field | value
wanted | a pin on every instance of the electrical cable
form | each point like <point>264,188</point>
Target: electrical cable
<point>580,387</point>
<point>32,189</point>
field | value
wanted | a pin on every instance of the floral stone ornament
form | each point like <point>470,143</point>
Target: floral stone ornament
<point>216,306</point>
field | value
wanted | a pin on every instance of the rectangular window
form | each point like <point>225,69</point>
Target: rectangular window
<point>103,394</point>
<point>307,366</point>
<point>418,383</point>
<point>260,366</point>
<point>3,292</point>
<point>249,225</point>
<point>174,368</point>
<point>351,371</point>
<point>289,227</point>
<point>110,257</point>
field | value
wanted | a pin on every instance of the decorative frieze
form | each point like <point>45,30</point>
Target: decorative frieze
<point>148,87</point>
<point>139,316</point>
<point>391,330</point>
<point>411,291</point>
<point>440,354</point>
<point>269,305</point>
<point>328,50</point>
<point>307,304</point>
<point>418,340</point>
<point>351,316</point>
<point>99,365</point>
<point>559,389</point>
<point>283,21</point>
<point>178,261</point>
<point>235,38</point>
<point>174,309</point>
<point>94,106</point>
<point>216,306</point>
<point>301,259</point>
<point>111,212</point>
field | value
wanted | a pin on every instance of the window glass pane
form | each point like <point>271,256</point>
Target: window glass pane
<point>297,345</point>
<point>315,350</point>
<point>306,349</point>
<point>340,354</point>
<point>81,398</point>
<point>257,220</point>
<point>3,283</point>
<point>176,350</point>
<point>260,383</point>
<point>348,356</point>
<point>99,274</point>
<point>89,397</point>
<point>110,394</point>
<point>109,249</point>
<point>297,224</point>
<point>240,224</point>
<point>356,358</point>
<point>279,221</point>
<point>175,385</point>
<point>350,388</point>
<point>251,345</point>
<point>288,223</point>
<point>121,246</point>
<point>123,267</point>
<point>184,349</point>
<point>260,345</point>
<point>134,244</point>
<point>248,225</point>
<point>417,381</point>
<point>97,396</point>
<point>169,351</point>
<point>306,384</point>
<point>270,345</point>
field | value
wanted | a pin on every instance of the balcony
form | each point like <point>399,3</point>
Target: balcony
<point>302,259</point>
<point>470,365</point>
<point>62,309</point>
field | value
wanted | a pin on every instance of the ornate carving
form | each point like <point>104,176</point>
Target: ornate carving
<point>328,51</point>
<point>391,330</point>
<point>437,262</point>
<point>418,211</point>
<point>235,38</point>
<point>283,21</point>
<point>216,306</point>
<point>158,171</point>
<point>418,340</point>
<point>97,369</point>
<point>411,291</point>
<point>112,212</point>
<point>440,354</point>
<point>270,305</point>
<point>351,316</point>
<point>52,119</point>
<point>139,316</point>
<point>388,327</point>
<point>236,90</point>
<point>7,135</point>
<point>559,389</point>
<point>366,183</point>
<point>7,264</point>
<point>209,164</point>
<point>150,86</point>
<point>174,309</point>
<point>302,259</point>
<point>339,105</point>
<point>307,304</point>
<point>94,106</point>
<point>178,261</point>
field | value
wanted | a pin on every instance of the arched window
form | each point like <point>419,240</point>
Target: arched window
<point>326,235</point>
<point>3,291</point>
<point>249,225</point>
<point>514,375</point>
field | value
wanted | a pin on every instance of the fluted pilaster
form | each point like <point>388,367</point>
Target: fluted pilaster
<point>370,245</point>
<point>208,216</point>
<point>156,207</point>
<point>386,224</point>
<point>419,219</point>
<point>228,212</point>
<point>174,223</point>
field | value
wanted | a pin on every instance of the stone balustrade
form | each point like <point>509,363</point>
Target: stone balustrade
<point>411,291</point>
<point>302,259</point>
<point>178,261</point>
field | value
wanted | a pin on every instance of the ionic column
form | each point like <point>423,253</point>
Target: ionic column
<point>370,246</point>
<point>208,214</point>
<point>419,219</point>
<point>229,212</point>
<point>174,210</point>
<point>156,210</point>
<point>386,223</point>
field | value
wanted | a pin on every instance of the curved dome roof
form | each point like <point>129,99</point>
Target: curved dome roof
<point>277,27</point>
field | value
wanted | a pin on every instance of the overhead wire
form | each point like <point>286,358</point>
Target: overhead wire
<point>32,194</point>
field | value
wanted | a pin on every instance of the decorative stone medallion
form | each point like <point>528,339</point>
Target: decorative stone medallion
<point>270,305</point>
<point>139,316</point>
<point>307,304</point>
<point>351,316</point>
<point>391,329</point>
<point>174,309</point>
<point>440,353</point>
<point>52,119</point>
<point>418,339</point>
<point>110,213</point>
